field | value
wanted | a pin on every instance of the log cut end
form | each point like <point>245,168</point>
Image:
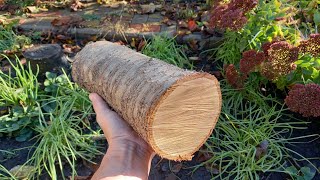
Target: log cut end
<point>185,116</point>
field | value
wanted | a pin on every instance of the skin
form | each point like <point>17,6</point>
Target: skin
<point>128,155</point>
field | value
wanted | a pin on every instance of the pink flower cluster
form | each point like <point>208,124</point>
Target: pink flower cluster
<point>312,45</point>
<point>250,60</point>
<point>280,57</point>
<point>304,99</point>
<point>232,15</point>
<point>233,77</point>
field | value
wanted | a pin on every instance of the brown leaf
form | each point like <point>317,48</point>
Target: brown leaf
<point>61,21</point>
<point>67,48</point>
<point>119,42</point>
<point>76,5</point>
<point>32,9</point>
<point>212,169</point>
<point>176,168</point>
<point>93,167</point>
<point>168,21</point>
<point>66,21</point>
<point>141,45</point>
<point>217,74</point>
<point>193,44</point>
<point>61,37</point>
<point>203,156</point>
<point>22,171</point>
<point>182,24</point>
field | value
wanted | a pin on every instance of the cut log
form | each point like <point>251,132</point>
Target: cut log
<point>46,57</point>
<point>172,109</point>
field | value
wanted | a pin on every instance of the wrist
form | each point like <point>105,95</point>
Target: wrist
<point>127,159</point>
<point>129,149</point>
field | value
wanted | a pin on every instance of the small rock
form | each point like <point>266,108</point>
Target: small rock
<point>171,177</point>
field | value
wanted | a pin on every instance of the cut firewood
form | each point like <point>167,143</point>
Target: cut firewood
<point>172,109</point>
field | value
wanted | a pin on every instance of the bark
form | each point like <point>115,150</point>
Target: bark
<point>134,85</point>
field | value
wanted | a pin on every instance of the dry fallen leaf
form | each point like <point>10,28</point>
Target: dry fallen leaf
<point>176,168</point>
<point>67,48</point>
<point>212,169</point>
<point>62,37</point>
<point>66,21</point>
<point>168,21</point>
<point>182,24</point>
<point>149,8</point>
<point>141,45</point>
<point>93,167</point>
<point>32,9</point>
<point>22,171</point>
<point>193,44</point>
<point>203,156</point>
<point>76,5</point>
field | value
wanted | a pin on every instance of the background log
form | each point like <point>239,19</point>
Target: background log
<point>172,109</point>
<point>48,57</point>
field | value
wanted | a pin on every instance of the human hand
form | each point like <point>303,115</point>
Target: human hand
<point>128,155</point>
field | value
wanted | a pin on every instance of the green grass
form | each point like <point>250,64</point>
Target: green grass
<point>61,133</point>
<point>239,133</point>
<point>19,92</point>
<point>167,49</point>
<point>230,50</point>
<point>5,174</point>
<point>21,3</point>
<point>10,41</point>
<point>61,140</point>
<point>20,89</point>
<point>7,39</point>
<point>60,122</point>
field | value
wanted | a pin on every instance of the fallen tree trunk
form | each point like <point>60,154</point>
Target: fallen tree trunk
<point>172,109</point>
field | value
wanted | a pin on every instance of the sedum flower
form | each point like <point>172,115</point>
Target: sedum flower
<point>245,5</point>
<point>233,77</point>
<point>304,99</point>
<point>281,57</point>
<point>232,15</point>
<point>250,60</point>
<point>312,45</point>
